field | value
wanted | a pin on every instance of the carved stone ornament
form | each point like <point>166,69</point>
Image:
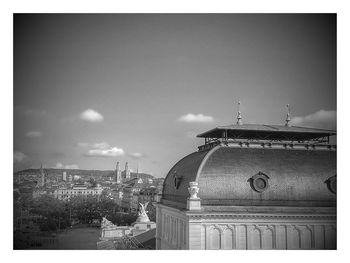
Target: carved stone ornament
<point>259,182</point>
<point>193,190</point>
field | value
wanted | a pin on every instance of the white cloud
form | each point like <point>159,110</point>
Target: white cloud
<point>68,166</point>
<point>101,145</point>
<point>196,118</point>
<point>137,155</point>
<point>18,157</point>
<point>111,152</point>
<point>320,119</point>
<point>34,134</point>
<point>103,149</point>
<point>91,116</point>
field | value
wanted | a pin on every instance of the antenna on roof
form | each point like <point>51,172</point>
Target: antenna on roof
<point>239,116</point>
<point>288,117</point>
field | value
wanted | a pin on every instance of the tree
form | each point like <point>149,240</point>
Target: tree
<point>151,212</point>
<point>92,182</point>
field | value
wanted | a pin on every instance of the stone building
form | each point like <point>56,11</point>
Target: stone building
<point>252,187</point>
<point>150,194</point>
<point>118,174</point>
<point>65,193</point>
<point>42,176</point>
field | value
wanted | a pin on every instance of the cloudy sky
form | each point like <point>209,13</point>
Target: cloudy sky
<point>91,90</point>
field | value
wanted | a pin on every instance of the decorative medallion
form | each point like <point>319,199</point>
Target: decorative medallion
<point>332,184</point>
<point>259,182</point>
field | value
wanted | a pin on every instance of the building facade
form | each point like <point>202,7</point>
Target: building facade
<point>150,194</point>
<point>118,174</point>
<point>77,190</point>
<point>252,187</point>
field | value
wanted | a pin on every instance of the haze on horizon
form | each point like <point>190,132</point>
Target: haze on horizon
<point>91,90</point>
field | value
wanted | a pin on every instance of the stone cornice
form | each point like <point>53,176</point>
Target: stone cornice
<point>278,217</point>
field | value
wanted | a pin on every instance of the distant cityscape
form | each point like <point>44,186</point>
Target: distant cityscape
<point>124,187</point>
<point>122,190</point>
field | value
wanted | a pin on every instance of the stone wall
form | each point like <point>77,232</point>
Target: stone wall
<point>179,229</point>
<point>267,236</point>
<point>172,231</point>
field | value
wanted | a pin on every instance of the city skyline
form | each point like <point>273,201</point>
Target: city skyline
<point>91,90</point>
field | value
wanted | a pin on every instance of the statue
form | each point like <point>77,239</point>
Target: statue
<point>106,223</point>
<point>193,190</point>
<point>142,214</point>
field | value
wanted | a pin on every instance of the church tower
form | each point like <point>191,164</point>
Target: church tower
<point>118,173</point>
<point>127,171</point>
<point>42,173</point>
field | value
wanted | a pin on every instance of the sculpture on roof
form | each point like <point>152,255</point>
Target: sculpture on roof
<point>142,214</point>
<point>288,119</point>
<point>106,223</point>
<point>239,116</point>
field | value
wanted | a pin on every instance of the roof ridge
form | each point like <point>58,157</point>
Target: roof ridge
<point>320,129</point>
<point>270,126</point>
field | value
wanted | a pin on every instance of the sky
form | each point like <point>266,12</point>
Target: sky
<point>91,90</point>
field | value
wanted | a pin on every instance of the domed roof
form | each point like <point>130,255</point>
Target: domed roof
<point>227,176</point>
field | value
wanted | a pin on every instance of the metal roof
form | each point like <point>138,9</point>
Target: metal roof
<point>267,132</point>
<point>223,173</point>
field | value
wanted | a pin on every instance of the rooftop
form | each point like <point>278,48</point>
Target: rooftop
<point>267,132</point>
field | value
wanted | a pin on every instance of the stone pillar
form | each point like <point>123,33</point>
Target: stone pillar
<point>193,202</point>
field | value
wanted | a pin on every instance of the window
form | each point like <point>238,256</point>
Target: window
<point>259,182</point>
<point>332,184</point>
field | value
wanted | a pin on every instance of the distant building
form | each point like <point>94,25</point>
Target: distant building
<point>118,174</point>
<point>76,177</point>
<point>38,193</point>
<point>64,176</point>
<point>150,194</point>
<point>130,199</point>
<point>130,195</point>
<point>126,173</point>
<point>70,178</point>
<point>252,187</point>
<point>42,176</point>
<point>77,190</point>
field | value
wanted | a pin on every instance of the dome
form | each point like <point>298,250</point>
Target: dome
<point>232,176</point>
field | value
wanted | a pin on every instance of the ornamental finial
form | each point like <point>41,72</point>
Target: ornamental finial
<point>239,116</point>
<point>288,117</point>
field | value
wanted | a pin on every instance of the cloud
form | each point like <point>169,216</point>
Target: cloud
<point>196,118</point>
<point>30,112</point>
<point>101,145</point>
<point>91,116</point>
<point>34,134</point>
<point>68,166</point>
<point>111,152</point>
<point>137,155</point>
<point>320,119</point>
<point>103,149</point>
<point>19,157</point>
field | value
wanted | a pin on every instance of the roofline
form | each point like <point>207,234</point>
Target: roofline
<point>319,131</point>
